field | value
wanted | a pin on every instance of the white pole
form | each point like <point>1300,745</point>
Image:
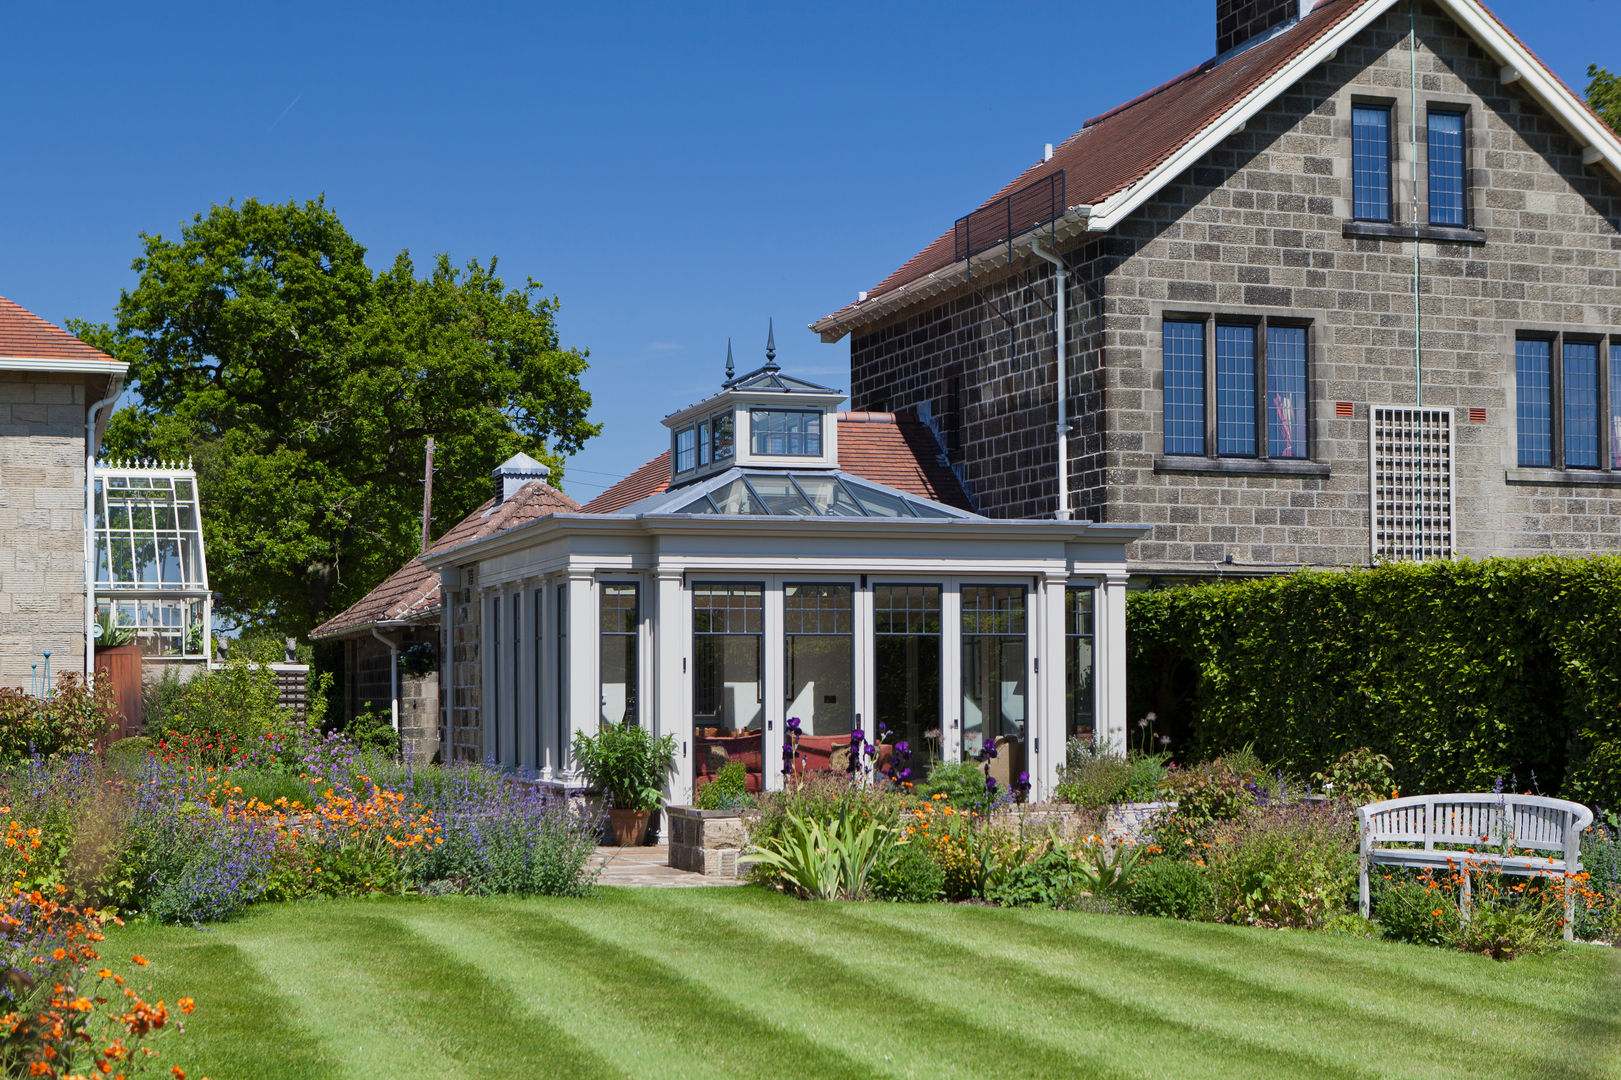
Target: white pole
<point>1061,300</point>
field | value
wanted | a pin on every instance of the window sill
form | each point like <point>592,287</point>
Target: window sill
<point>1595,477</point>
<point>1389,230</point>
<point>1177,463</point>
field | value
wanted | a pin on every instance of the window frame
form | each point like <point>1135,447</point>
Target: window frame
<point>689,453</point>
<point>1388,107</point>
<point>756,434</point>
<point>1461,111</point>
<point>1260,326</point>
<point>1606,397</point>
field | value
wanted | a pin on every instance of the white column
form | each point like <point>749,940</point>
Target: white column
<point>951,672</point>
<point>489,698</point>
<point>774,682</point>
<point>524,676</point>
<point>583,711</point>
<point>671,690</point>
<point>1110,636</point>
<point>865,660</point>
<point>1054,668</point>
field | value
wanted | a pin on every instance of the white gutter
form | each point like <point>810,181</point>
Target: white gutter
<point>1061,299</point>
<point>90,448</point>
<point>393,678</point>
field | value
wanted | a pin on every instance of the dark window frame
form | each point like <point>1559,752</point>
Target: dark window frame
<point>1260,326</point>
<point>1388,107</point>
<point>805,433</point>
<point>1605,395</point>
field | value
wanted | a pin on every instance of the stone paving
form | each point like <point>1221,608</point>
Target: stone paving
<point>647,867</point>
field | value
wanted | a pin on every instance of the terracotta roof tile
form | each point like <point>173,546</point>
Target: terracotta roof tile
<point>24,335</point>
<point>1120,147</point>
<point>411,593</point>
<point>896,450</point>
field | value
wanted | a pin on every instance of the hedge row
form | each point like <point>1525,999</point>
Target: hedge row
<point>1461,672</point>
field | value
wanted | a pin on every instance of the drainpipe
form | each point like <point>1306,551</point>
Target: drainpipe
<point>115,388</point>
<point>393,676</point>
<point>1061,297</point>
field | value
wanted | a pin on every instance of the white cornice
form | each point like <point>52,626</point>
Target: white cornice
<point>60,366</point>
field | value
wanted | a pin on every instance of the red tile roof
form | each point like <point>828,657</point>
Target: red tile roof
<point>1115,150</point>
<point>26,336</point>
<point>896,450</point>
<point>411,593</point>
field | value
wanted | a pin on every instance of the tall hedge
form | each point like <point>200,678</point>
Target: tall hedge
<point>1462,672</point>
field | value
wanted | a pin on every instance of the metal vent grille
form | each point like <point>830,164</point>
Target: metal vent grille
<point>1410,462</point>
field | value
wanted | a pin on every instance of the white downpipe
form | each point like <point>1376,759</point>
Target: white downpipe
<point>393,678</point>
<point>90,448</point>
<point>1061,298</point>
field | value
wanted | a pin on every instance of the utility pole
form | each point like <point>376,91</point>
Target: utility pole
<point>427,498</point>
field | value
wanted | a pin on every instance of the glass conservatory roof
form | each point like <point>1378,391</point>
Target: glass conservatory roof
<point>148,531</point>
<point>750,493</point>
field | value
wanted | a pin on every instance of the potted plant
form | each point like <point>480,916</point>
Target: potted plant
<point>629,766</point>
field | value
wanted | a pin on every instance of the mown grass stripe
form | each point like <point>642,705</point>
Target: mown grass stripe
<point>387,1002</point>
<point>911,1027</point>
<point>241,1019</point>
<point>643,1011</point>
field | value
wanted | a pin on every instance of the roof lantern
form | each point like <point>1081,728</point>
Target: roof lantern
<point>514,473</point>
<point>762,419</point>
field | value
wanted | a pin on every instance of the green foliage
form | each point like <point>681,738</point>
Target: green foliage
<point>821,859</point>
<point>67,720</point>
<point>909,875</point>
<point>1171,889</point>
<point>1604,95</point>
<point>372,729</point>
<point>727,789</point>
<point>1097,778</point>
<point>110,633</point>
<point>626,763</point>
<point>1359,777</point>
<point>1289,865</point>
<point>1207,795</point>
<point>962,783</point>
<point>1458,671</point>
<point>1050,879</point>
<point>266,647</point>
<point>127,757</point>
<point>236,702</point>
<point>1601,860</point>
<point>823,795</point>
<point>304,386</point>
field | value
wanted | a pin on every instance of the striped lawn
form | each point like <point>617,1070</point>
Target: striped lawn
<point>745,983</point>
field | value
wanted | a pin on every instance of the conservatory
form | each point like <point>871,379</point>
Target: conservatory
<point>151,579</point>
<point>770,589</point>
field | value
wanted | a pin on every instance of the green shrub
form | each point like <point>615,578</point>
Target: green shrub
<point>1207,795</point>
<point>821,859</point>
<point>823,796</point>
<point>626,762</point>
<point>1458,671</point>
<point>1283,866</point>
<point>961,782</point>
<point>128,757</point>
<point>372,729</point>
<point>909,876</point>
<point>727,790</point>
<point>237,702</point>
<point>1095,779</point>
<point>68,720</point>
<point>1359,777</point>
<point>1171,889</point>
<point>1048,880</point>
<point>1601,859</point>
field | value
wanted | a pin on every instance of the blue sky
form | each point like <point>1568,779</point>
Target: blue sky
<point>675,173</point>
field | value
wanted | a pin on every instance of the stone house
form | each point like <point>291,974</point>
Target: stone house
<point>56,394</point>
<point>1349,291</point>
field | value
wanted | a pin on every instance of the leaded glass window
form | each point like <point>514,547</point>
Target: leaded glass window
<point>1286,391</point>
<point>1235,390</point>
<point>785,432</point>
<point>1533,364</point>
<point>1184,387</point>
<point>1370,162</point>
<point>1446,168</point>
<point>1581,405</point>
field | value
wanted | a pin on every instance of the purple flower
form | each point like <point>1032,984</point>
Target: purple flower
<point>903,749</point>
<point>987,750</point>
<point>990,787</point>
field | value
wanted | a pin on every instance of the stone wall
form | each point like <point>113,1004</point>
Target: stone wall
<point>1262,227</point>
<point>41,523</point>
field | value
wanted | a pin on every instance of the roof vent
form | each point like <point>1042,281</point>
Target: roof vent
<point>514,473</point>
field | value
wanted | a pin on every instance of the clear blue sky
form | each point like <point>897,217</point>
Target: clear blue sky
<point>675,173</point>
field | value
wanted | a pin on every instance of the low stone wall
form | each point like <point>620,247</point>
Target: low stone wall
<point>706,842</point>
<point>1127,821</point>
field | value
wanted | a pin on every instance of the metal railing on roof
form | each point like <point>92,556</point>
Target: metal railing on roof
<point>1038,203</point>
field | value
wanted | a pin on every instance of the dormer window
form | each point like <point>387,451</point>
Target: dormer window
<point>722,437</point>
<point>786,432</point>
<point>686,450</point>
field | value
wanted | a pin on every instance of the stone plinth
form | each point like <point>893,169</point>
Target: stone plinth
<point>706,842</point>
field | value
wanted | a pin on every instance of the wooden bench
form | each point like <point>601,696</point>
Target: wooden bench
<point>1482,821</point>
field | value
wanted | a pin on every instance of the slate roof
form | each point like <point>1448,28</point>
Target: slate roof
<point>26,336</point>
<point>1115,150</point>
<point>411,593</point>
<point>896,450</point>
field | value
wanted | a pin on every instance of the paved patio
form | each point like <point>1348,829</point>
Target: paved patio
<point>647,867</point>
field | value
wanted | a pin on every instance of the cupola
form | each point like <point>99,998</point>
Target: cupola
<point>763,419</point>
<point>514,473</point>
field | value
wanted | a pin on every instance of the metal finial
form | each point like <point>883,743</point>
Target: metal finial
<point>729,367</point>
<point>771,343</point>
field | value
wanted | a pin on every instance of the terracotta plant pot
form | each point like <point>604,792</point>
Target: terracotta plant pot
<point>628,828</point>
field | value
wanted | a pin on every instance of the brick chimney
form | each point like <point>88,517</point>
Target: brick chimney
<point>1237,21</point>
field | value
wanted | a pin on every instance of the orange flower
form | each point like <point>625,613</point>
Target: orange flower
<point>177,1072</point>
<point>186,1005</point>
<point>139,960</point>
